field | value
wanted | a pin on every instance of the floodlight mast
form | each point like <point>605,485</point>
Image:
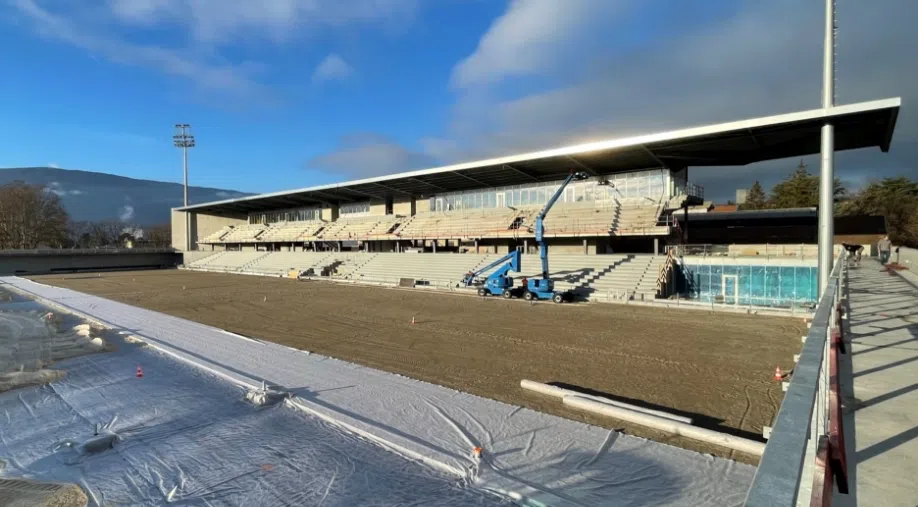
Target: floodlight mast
<point>184,139</point>
<point>827,149</point>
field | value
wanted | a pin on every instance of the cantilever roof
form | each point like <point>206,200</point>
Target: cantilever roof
<point>861,125</point>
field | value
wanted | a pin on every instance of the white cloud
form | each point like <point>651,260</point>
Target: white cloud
<point>53,165</point>
<point>55,187</point>
<point>114,31</point>
<point>234,78</point>
<point>764,59</point>
<point>332,68</point>
<point>368,154</point>
<point>223,21</point>
<point>126,213</point>
<point>530,37</point>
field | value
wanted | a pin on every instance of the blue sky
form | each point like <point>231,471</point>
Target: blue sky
<point>289,93</point>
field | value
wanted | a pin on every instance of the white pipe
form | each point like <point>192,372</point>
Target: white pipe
<point>560,392</point>
<point>667,425</point>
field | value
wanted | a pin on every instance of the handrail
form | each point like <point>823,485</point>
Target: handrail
<point>85,251</point>
<point>662,276</point>
<point>805,416</point>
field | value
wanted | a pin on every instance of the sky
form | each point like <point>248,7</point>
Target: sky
<point>285,94</point>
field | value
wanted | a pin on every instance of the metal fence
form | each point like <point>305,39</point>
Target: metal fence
<point>763,250</point>
<point>84,251</point>
<point>806,447</point>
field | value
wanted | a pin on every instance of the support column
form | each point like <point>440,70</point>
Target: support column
<point>827,149</point>
<point>656,246</point>
<point>586,249</point>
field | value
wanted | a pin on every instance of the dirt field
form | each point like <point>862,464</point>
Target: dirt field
<point>715,367</point>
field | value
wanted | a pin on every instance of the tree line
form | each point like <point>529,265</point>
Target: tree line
<point>894,198</point>
<point>33,217</point>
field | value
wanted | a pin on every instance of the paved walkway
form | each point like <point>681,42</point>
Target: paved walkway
<point>882,413</point>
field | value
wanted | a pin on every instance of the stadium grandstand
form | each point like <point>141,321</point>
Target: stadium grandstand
<point>608,236</point>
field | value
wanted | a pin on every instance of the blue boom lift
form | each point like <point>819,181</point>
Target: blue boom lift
<point>499,283</point>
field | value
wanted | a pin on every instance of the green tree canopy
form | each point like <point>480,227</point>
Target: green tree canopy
<point>800,190</point>
<point>755,197</point>
<point>894,198</point>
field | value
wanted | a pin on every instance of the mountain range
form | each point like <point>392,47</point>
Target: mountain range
<point>96,196</point>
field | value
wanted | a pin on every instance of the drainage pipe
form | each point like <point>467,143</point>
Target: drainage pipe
<point>560,393</point>
<point>667,425</point>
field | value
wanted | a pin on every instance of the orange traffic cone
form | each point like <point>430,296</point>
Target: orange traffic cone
<point>139,371</point>
<point>778,375</point>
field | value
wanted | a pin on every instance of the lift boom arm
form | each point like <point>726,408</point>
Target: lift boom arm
<point>513,265</point>
<point>540,227</point>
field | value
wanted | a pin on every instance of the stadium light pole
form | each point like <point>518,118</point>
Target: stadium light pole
<point>827,150</point>
<point>184,139</point>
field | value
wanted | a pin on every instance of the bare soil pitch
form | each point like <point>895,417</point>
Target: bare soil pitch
<point>715,367</point>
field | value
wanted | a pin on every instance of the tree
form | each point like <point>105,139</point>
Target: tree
<point>159,235</point>
<point>95,234</point>
<point>800,190</point>
<point>894,198</point>
<point>755,197</point>
<point>31,217</point>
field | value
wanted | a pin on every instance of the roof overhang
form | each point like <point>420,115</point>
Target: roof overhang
<point>861,125</point>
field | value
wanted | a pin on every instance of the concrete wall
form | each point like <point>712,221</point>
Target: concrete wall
<point>330,213</point>
<point>907,257</point>
<point>421,205</point>
<point>377,207</point>
<point>403,207</point>
<point>205,225</point>
<point>571,245</point>
<point>202,225</point>
<point>178,230</point>
<point>11,263</point>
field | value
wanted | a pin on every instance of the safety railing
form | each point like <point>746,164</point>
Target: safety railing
<point>85,251</point>
<point>763,250</point>
<point>663,276</point>
<point>805,454</point>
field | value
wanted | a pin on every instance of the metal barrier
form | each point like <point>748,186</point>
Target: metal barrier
<point>85,251</point>
<point>805,450</point>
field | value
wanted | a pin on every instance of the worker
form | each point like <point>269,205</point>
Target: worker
<point>884,246</point>
<point>854,253</point>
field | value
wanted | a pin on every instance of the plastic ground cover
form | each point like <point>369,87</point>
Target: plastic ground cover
<point>181,435</point>
<point>531,457</point>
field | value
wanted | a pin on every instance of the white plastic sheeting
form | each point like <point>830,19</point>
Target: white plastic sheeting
<point>179,436</point>
<point>529,456</point>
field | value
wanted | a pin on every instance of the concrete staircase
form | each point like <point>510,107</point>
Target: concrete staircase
<point>635,279</point>
<point>425,268</point>
<point>592,277</point>
<point>570,271</point>
<point>346,265</point>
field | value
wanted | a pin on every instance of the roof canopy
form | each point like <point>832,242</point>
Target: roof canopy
<point>861,125</point>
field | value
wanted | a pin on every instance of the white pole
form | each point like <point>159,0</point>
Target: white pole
<point>187,213</point>
<point>827,167</point>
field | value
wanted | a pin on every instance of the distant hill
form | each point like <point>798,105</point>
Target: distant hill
<point>99,196</point>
